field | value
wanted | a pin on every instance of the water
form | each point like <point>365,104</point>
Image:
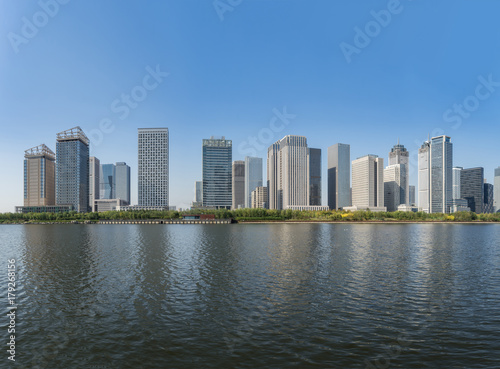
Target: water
<point>256,295</point>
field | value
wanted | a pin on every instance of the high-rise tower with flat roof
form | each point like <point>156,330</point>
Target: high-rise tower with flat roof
<point>153,167</point>
<point>72,169</point>
<point>217,172</point>
<point>39,176</point>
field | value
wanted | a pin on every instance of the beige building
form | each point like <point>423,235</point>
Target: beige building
<point>39,176</point>
<point>259,198</point>
<point>288,172</point>
<point>368,183</point>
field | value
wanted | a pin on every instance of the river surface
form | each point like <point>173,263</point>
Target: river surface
<point>252,296</point>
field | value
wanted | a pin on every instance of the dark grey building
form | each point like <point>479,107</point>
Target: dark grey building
<point>107,176</point>
<point>488,206</point>
<point>412,196</point>
<point>339,176</point>
<point>314,176</point>
<point>472,188</point>
<point>216,171</point>
<point>238,184</point>
<point>72,169</point>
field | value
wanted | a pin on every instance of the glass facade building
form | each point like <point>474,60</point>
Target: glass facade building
<point>253,177</point>
<point>153,159</point>
<point>72,169</point>
<point>314,176</point>
<point>472,188</point>
<point>339,176</point>
<point>400,155</point>
<point>122,182</point>
<point>488,206</point>
<point>107,177</point>
<point>435,175</point>
<point>217,157</point>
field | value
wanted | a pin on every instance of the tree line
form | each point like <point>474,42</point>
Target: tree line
<point>250,215</point>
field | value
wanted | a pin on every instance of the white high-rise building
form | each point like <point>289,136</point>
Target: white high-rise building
<point>288,172</point>
<point>395,186</point>
<point>153,167</point>
<point>457,171</point>
<point>435,175</point>
<point>400,155</point>
<point>94,180</point>
<point>368,183</point>
<point>253,177</point>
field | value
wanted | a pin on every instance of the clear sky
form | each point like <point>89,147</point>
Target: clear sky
<point>359,72</point>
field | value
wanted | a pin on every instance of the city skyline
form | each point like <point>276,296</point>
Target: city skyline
<point>232,79</point>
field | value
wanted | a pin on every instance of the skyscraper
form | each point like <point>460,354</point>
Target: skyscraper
<point>107,176</point>
<point>288,172</point>
<point>72,169</point>
<point>122,181</point>
<point>457,171</point>
<point>400,155</point>
<point>435,176</point>
<point>395,186</point>
<point>238,184</point>
<point>339,176</point>
<point>496,189</point>
<point>153,177</point>
<point>488,206</point>
<point>94,181</point>
<point>412,196</point>
<point>253,177</point>
<point>216,171</point>
<point>368,183</point>
<point>472,188</point>
<point>198,192</point>
<point>314,177</point>
<point>39,176</point>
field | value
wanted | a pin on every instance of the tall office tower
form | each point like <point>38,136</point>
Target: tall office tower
<point>435,175</point>
<point>217,185</point>
<point>238,184</point>
<point>339,176</point>
<point>412,196</point>
<point>472,188</point>
<point>94,181</point>
<point>395,187</point>
<point>488,206</point>
<point>457,171</point>
<point>253,177</point>
<point>107,178</point>
<point>288,172</point>
<point>400,155</point>
<point>368,182</point>
<point>496,189</point>
<point>39,176</point>
<point>153,167</point>
<point>259,198</point>
<point>72,169</point>
<point>198,192</point>
<point>122,181</point>
<point>315,177</point>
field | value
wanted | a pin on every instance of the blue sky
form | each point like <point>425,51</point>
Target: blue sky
<point>232,67</point>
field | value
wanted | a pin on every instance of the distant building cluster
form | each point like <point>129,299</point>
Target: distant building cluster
<point>71,179</point>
